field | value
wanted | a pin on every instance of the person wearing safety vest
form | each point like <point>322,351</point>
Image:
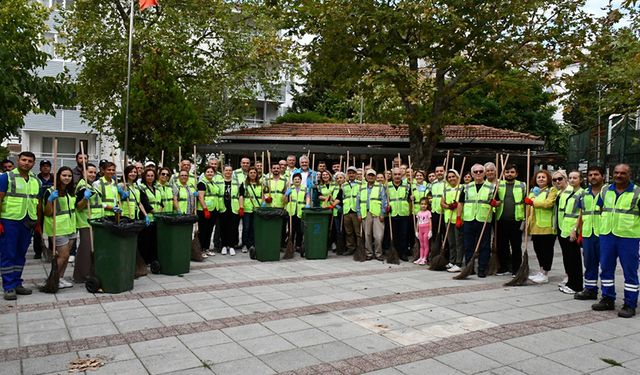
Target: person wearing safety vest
<point>252,199</point>
<point>449,203</point>
<point>207,210</point>
<point>510,218</point>
<point>240,174</point>
<point>399,197</point>
<point>309,177</point>
<point>419,190</point>
<point>589,232</point>
<point>19,189</point>
<point>131,194</point>
<point>298,198</point>
<point>185,165</point>
<point>567,237</point>
<point>230,206</point>
<point>63,197</point>
<point>337,199</point>
<point>84,211</point>
<point>165,189</point>
<point>327,194</point>
<point>151,200</point>
<point>542,198</point>
<point>437,191</point>
<point>560,181</point>
<point>184,195</point>
<point>275,186</point>
<point>371,206</point>
<point>619,238</point>
<point>108,191</point>
<point>350,192</point>
<point>476,205</point>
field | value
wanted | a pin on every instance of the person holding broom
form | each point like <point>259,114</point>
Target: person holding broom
<point>298,198</point>
<point>449,205</point>
<point>399,198</point>
<point>476,202</point>
<point>19,190</point>
<point>86,200</point>
<point>510,216</point>
<point>350,192</point>
<point>371,205</point>
<point>62,195</point>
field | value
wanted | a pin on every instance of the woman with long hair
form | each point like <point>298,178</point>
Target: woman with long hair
<point>63,197</point>
<point>165,188</point>
<point>541,223</point>
<point>252,199</point>
<point>568,213</point>
<point>86,200</point>
<point>207,209</point>
<point>449,204</point>
<point>231,210</point>
<point>151,200</point>
<point>131,200</point>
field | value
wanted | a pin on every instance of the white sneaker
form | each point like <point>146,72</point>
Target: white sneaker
<point>204,255</point>
<point>224,250</point>
<point>541,279</point>
<point>535,276</point>
<point>232,251</point>
<point>72,258</point>
<point>565,289</point>
<point>333,246</point>
<point>449,265</point>
<point>62,284</point>
<point>211,253</point>
<point>564,281</point>
<point>454,268</point>
<point>244,249</point>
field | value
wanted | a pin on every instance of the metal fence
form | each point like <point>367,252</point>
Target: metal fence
<point>617,141</point>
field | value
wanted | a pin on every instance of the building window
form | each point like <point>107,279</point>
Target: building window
<point>65,145</point>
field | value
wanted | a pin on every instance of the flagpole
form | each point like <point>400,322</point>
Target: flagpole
<point>126,111</point>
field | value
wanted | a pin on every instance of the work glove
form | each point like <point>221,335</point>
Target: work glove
<point>307,205</point>
<point>264,204</point>
<point>1,229</point>
<point>453,205</point>
<point>422,188</point>
<point>53,196</point>
<point>147,221</point>
<point>429,235</point>
<point>494,203</point>
<point>241,211</point>
<point>288,192</point>
<point>458,222</point>
<point>195,194</point>
<point>123,194</point>
<point>528,201</point>
<point>579,240</point>
<point>207,214</point>
<point>339,208</point>
<point>331,207</point>
<point>536,190</point>
<point>87,194</point>
<point>116,210</point>
<point>268,199</point>
<point>37,229</point>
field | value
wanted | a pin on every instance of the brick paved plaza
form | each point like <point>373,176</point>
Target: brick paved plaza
<point>232,315</point>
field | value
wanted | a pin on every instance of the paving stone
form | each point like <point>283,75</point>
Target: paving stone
<point>503,353</point>
<point>385,371</point>
<point>41,365</point>
<point>332,351</point>
<point>345,330</point>
<point>547,342</point>
<point>433,366</point>
<point>86,320</point>
<point>99,329</point>
<point>157,347</point>
<point>109,354</point>
<point>246,332</point>
<point>467,361</point>
<point>617,370</point>
<point>193,371</point>
<point>41,325</point>
<point>138,324</point>
<point>8,341</point>
<point>307,337</point>
<point>201,339</point>
<point>129,314</point>
<point>286,325</point>
<point>122,305</point>
<point>370,343</point>
<point>540,365</point>
<point>159,301</point>
<point>190,317</point>
<point>169,309</point>
<point>588,358</point>
<point>54,335</point>
<point>289,360</point>
<point>265,345</point>
<point>220,353</point>
<point>170,362</point>
<point>251,366</point>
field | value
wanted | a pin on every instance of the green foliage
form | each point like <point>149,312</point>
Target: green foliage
<point>430,52</point>
<point>212,54</point>
<point>304,117</point>
<point>22,26</point>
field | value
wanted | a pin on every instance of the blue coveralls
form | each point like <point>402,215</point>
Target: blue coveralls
<point>590,248</point>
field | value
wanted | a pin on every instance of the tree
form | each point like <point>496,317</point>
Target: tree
<point>22,90</point>
<point>433,51</point>
<point>197,66</point>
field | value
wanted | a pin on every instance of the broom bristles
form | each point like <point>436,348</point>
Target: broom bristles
<point>494,263</point>
<point>416,250</point>
<point>522,276</point>
<point>288,254</point>
<point>468,269</point>
<point>196,249</point>
<point>51,285</point>
<point>438,263</point>
<point>393,257</point>
<point>141,266</point>
<point>360,255</point>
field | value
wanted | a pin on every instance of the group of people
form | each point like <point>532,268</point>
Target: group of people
<point>380,212</point>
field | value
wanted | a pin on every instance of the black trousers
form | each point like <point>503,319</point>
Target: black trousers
<point>297,231</point>
<point>147,244</point>
<point>543,246</point>
<point>572,260</point>
<point>509,242</point>
<point>435,244</point>
<point>228,222</point>
<point>205,228</point>
<point>400,226</point>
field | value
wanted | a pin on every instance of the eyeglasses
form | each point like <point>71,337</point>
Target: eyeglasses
<point>557,179</point>
<point>476,172</point>
<point>164,174</point>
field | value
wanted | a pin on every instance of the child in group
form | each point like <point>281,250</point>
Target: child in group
<point>424,230</point>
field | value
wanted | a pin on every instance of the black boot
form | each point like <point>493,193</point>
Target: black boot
<point>586,294</point>
<point>604,305</point>
<point>626,311</point>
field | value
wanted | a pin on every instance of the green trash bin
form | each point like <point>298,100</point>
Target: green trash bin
<point>174,234</point>
<point>267,228</point>
<point>316,232</point>
<point>114,255</point>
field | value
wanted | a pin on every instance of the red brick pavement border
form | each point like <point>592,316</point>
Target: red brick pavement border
<point>14,307</point>
<point>40,350</point>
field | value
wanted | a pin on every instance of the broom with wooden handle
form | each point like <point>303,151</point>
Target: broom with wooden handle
<point>392,256</point>
<point>522,276</point>
<point>51,285</point>
<point>468,269</point>
<point>494,261</point>
<point>360,255</point>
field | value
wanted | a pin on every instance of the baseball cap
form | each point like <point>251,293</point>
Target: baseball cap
<point>371,171</point>
<point>44,162</point>
<point>352,168</point>
<point>149,164</point>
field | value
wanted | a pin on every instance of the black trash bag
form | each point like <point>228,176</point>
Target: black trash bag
<point>171,218</point>
<point>126,227</point>
<point>270,213</point>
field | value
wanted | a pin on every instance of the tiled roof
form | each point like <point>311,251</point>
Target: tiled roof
<point>376,133</point>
